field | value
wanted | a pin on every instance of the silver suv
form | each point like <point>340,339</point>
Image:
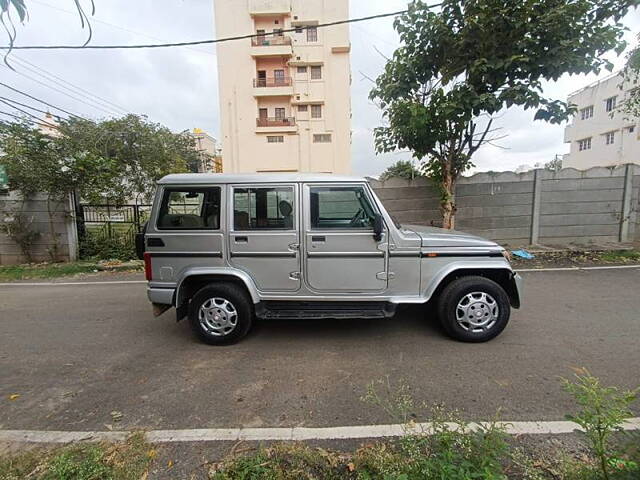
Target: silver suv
<point>223,249</point>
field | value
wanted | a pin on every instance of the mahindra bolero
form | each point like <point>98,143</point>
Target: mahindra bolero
<point>225,249</point>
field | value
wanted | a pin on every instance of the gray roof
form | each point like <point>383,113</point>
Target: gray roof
<point>208,178</point>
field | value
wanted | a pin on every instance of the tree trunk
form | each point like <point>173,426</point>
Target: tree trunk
<point>447,203</point>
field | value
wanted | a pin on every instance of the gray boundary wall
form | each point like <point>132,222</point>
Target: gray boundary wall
<point>36,208</point>
<point>599,205</point>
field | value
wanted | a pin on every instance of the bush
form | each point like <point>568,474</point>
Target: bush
<point>100,247</point>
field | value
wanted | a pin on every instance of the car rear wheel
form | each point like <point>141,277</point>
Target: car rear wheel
<point>220,314</point>
<point>473,309</point>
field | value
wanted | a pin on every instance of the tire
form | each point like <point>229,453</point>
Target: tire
<point>473,309</point>
<point>220,314</point>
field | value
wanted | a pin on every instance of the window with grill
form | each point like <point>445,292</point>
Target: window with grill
<point>586,113</point>
<point>312,34</point>
<point>609,138</point>
<point>322,138</point>
<point>316,72</point>
<point>303,108</point>
<point>302,69</point>
<point>280,113</point>
<point>316,111</point>
<point>275,139</point>
<point>584,144</point>
<point>610,104</point>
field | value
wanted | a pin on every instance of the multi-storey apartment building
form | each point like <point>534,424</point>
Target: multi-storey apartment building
<point>284,96</point>
<point>601,133</point>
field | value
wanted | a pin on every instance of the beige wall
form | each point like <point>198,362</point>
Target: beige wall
<point>244,142</point>
<point>626,134</point>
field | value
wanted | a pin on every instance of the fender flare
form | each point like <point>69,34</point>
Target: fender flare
<point>221,272</point>
<point>478,266</point>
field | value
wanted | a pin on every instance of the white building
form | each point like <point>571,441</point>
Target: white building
<point>285,93</point>
<point>601,134</point>
<point>210,155</point>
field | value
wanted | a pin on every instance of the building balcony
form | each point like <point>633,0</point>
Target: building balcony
<point>262,8</point>
<point>272,87</point>
<point>271,46</point>
<point>276,124</point>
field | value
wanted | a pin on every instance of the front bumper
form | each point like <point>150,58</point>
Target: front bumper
<point>162,296</point>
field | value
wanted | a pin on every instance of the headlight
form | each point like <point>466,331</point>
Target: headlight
<point>507,255</point>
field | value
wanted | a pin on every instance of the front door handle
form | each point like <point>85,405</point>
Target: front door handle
<point>318,239</point>
<point>241,239</point>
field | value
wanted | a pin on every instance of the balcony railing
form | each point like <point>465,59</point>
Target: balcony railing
<point>268,40</point>
<point>272,82</point>
<point>276,122</point>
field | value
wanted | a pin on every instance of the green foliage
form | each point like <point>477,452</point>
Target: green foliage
<point>462,64</point>
<point>554,165</point>
<point>401,169</point>
<point>621,256</point>
<point>127,461</point>
<point>631,75</point>
<point>111,160</point>
<point>603,411</point>
<point>102,247</point>
<point>19,228</point>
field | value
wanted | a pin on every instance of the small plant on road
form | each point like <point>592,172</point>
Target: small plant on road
<point>603,411</point>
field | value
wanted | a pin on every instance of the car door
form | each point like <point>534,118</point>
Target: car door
<point>264,235</point>
<point>341,254</point>
<point>186,230</point>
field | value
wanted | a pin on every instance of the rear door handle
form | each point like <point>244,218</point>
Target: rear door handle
<point>318,239</point>
<point>241,239</point>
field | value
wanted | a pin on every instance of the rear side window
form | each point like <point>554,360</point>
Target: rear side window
<point>263,209</point>
<point>340,207</point>
<point>190,209</point>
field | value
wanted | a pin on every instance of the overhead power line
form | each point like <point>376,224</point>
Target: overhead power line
<point>203,42</point>
<point>75,89</point>
<point>14,115</point>
<point>39,100</point>
<point>55,89</point>
<point>29,107</point>
<point>38,119</point>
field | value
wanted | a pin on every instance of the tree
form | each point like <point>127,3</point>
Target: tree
<point>133,154</point>
<point>102,161</point>
<point>458,67</point>
<point>554,165</point>
<point>401,169</point>
<point>20,9</point>
<point>631,74</point>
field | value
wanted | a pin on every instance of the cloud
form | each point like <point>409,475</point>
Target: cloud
<point>178,86</point>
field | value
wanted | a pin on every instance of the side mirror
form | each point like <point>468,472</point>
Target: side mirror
<point>378,227</point>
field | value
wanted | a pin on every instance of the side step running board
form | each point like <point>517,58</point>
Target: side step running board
<point>321,310</point>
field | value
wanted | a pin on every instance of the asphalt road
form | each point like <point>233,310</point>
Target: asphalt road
<point>75,354</point>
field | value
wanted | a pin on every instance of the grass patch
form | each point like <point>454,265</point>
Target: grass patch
<point>125,461</point>
<point>12,273</point>
<point>621,256</point>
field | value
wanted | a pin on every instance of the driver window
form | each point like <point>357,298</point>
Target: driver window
<point>340,207</point>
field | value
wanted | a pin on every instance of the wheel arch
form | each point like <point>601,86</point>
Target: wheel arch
<point>501,274</point>
<point>193,280</point>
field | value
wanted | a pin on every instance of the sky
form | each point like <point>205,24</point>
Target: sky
<point>178,87</point>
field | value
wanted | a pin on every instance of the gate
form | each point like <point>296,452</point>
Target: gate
<point>113,222</point>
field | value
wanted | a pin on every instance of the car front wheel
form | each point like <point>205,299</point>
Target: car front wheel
<point>220,314</point>
<point>473,309</point>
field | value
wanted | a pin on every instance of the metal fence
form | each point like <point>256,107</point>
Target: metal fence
<point>115,222</point>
